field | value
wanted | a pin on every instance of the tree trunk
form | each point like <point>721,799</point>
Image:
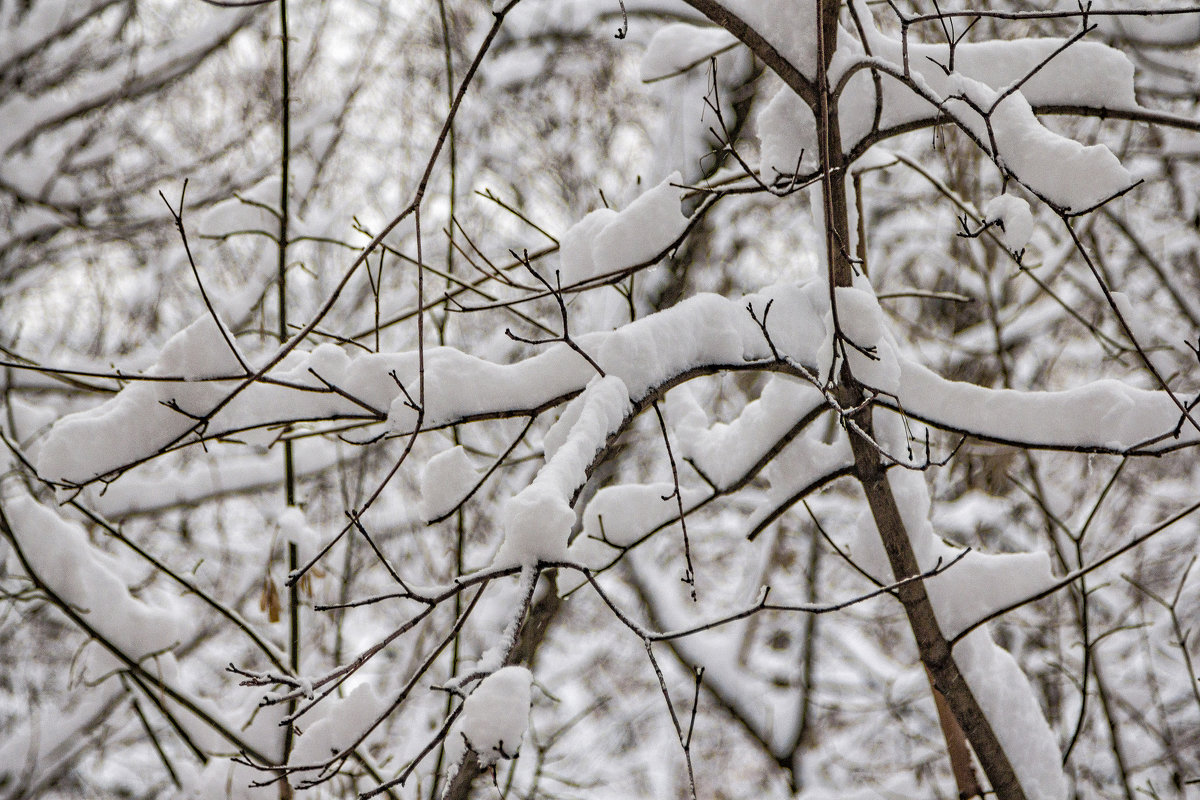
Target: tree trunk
<point>932,646</point>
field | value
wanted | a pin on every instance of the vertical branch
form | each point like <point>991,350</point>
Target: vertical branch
<point>452,155</point>
<point>459,518</point>
<point>861,244</point>
<point>956,746</point>
<point>808,668</point>
<point>289,465</point>
<point>1120,759</point>
<point>689,573</point>
<point>528,629</point>
<point>934,649</point>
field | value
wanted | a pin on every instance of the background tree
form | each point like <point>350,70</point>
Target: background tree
<point>518,360</point>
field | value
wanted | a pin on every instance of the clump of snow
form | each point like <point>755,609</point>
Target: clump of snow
<point>1085,73</point>
<point>607,241</point>
<point>60,556</point>
<point>1104,414</point>
<point>789,26</point>
<point>980,582</point>
<point>538,519</point>
<point>1012,216</point>
<point>1010,704</point>
<point>703,331</point>
<point>494,718</point>
<point>537,522</point>
<point>459,384</point>
<point>788,134</point>
<point>328,361</point>
<point>727,451</point>
<point>137,422</point>
<point>1063,171</point>
<point>622,514</point>
<point>444,480</point>
<point>295,528</point>
<point>575,259</point>
<point>704,328</point>
<point>861,321</point>
<point>197,352</point>
<point>343,721</point>
<point>975,587</point>
<point>678,46</point>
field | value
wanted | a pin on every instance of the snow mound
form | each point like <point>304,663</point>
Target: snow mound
<point>494,718</point>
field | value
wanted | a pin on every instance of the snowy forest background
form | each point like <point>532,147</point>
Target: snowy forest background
<point>360,359</point>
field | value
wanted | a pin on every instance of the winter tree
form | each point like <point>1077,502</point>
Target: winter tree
<point>770,399</point>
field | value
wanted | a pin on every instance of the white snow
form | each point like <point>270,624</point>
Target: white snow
<point>538,519</point>
<point>787,133</point>
<point>1104,414</point>
<point>136,423</point>
<point>727,451</point>
<point>1062,170</point>
<point>341,722</point>
<point>1012,216</point>
<point>294,527</point>
<point>494,718</point>
<point>861,320</point>
<point>622,514</point>
<point>576,262</point>
<point>964,593</point>
<point>1069,174</point>
<point>790,27</point>
<point>703,331</point>
<point>60,555</point>
<point>446,478</point>
<point>678,46</point>
<point>606,241</point>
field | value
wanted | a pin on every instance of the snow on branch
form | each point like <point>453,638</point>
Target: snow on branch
<point>704,334</point>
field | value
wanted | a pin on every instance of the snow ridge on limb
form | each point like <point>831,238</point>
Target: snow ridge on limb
<point>705,331</point>
<point>135,425</point>
<point>1103,416</point>
<point>1062,171</point>
<point>679,46</point>
<point>60,555</point>
<point>539,518</point>
<point>135,638</point>
<point>607,241</point>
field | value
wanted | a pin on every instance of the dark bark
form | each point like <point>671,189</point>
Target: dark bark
<point>934,649</point>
